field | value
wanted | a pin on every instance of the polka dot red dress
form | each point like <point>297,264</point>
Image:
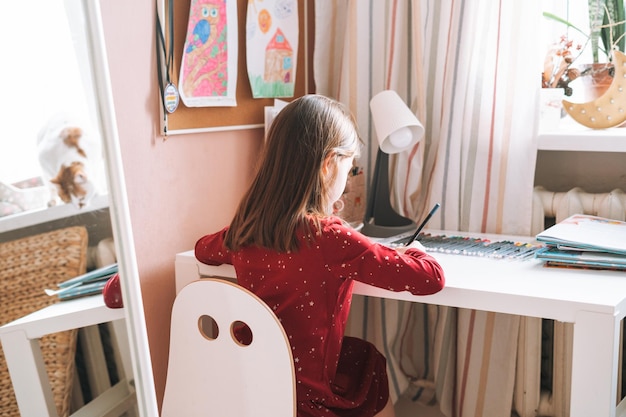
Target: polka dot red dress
<point>310,291</point>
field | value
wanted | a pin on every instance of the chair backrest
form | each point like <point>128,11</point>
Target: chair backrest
<point>221,370</point>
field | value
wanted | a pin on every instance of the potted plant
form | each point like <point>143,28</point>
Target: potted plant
<point>612,29</point>
<point>606,33</point>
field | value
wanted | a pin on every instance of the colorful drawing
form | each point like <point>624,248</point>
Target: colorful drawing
<point>207,74</point>
<point>272,46</point>
<point>278,60</point>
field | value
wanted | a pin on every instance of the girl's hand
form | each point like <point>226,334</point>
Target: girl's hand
<point>414,245</point>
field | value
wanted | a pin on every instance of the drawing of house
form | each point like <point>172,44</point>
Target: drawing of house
<point>278,60</point>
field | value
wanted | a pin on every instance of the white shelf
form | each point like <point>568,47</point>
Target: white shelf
<point>572,136</point>
<point>34,217</point>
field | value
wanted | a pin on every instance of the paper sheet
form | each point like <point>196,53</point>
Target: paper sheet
<point>208,73</point>
<point>272,47</point>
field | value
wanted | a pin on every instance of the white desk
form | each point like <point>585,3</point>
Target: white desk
<point>25,362</point>
<point>594,301</point>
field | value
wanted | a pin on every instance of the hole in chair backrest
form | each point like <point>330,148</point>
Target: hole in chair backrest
<point>208,327</point>
<point>241,333</point>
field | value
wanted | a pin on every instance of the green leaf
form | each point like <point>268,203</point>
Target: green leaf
<point>565,22</point>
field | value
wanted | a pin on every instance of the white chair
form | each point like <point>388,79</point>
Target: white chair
<point>211,371</point>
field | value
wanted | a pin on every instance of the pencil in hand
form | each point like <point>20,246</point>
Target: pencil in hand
<point>423,224</point>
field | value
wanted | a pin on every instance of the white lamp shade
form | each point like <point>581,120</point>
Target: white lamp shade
<point>397,128</point>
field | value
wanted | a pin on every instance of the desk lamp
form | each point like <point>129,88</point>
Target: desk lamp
<point>397,129</point>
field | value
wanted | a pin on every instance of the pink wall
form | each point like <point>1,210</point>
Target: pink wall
<point>178,189</point>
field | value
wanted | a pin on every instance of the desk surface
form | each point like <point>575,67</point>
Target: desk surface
<point>65,315</point>
<point>507,286</point>
<point>502,285</point>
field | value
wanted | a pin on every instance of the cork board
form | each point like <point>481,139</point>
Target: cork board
<point>249,112</point>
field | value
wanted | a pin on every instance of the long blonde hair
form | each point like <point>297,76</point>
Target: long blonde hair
<point>289,189</point>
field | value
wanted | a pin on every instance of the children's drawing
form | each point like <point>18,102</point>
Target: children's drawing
<point>272,47</point>
<point>208,74</point>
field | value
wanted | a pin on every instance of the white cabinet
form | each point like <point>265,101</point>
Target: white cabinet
<point>576,156</point>
<point>35,217</point>
<point>96,218</point>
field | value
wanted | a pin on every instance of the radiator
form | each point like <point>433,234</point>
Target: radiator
<point>543,377</point>
<point>560,205</point>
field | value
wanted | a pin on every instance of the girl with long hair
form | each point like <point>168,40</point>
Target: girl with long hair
<point>288,248</point>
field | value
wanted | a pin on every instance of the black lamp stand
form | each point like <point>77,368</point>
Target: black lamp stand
<point>381,220</point>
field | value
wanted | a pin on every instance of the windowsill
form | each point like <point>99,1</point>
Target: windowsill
<point>34,217</point>
<point>572,136</point>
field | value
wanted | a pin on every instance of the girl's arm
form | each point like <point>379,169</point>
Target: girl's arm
<point>351,255</point>
<point>210,249</point>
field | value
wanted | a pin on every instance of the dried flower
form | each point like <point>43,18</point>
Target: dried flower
<point>557,71</point>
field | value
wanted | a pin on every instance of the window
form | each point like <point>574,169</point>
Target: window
<point>44,70</point>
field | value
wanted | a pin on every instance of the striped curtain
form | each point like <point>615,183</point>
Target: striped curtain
<point>469,69</point>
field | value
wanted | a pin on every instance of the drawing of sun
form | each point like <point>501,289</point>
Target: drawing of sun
<point>265,20</point>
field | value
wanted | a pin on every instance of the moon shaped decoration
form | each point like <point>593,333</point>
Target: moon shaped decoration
<point>609,109</point>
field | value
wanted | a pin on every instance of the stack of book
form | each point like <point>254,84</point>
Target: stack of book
<point>585,241</point>
<point>87,284</point>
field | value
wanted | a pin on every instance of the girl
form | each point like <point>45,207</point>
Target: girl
<point>288,249</point>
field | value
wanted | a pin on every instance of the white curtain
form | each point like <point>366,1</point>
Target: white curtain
<point>470,71</point>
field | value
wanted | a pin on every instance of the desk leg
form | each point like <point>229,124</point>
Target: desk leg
<point>184,270</point>
<point>26,365</point>
<point>120,334</point>
<point>594,365</point>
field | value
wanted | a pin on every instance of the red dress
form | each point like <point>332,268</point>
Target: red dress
<point>310,291</point>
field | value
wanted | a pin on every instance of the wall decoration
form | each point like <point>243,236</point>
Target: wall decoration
<point>272,47</point>
<point>609,109</point>
<point>208,73</point>
<point>249,112</point>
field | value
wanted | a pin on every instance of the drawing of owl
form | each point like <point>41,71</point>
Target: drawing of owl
<point>205,29</point>
<point>204,63</point>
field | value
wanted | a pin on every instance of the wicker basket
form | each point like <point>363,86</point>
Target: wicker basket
<point>27,266</point>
